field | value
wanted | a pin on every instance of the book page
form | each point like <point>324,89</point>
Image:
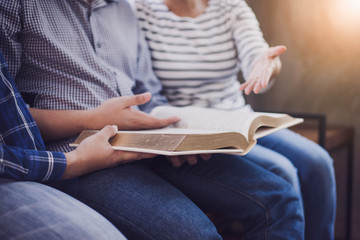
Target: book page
<point>263,131</point>
<point>211,119</point>
<point>173,142</point>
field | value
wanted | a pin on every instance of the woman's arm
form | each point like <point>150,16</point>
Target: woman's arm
<point>258,62</point>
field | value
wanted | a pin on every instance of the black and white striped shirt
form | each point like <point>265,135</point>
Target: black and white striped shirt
<point>197,59</point>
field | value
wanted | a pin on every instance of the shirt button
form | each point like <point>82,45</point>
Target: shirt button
<point>99,45</point>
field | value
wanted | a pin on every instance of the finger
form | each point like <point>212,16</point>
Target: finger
<point>276,51</point>
<point>175,161</point>
<point>205,156</point>
<point>163,122</point>
<point>108,132</point>
<point>191,159</point>
<point>244,85</point>
<point>257,87</point>
<point>133,156</point>
<point>141,156</point>
<point>139,99</point>
<point>250,87</point>
<point>147,155</point>
<point>143,120</point>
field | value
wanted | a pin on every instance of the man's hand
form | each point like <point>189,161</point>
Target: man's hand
<point>177,161</point>
<point>58,124</point>
<point>118,111</point>
<point>265,68</point>
<point>95,153</point>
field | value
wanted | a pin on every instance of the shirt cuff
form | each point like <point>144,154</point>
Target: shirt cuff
<point>46,166</point>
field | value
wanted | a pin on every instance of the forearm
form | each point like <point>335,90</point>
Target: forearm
<point>58,124</point>
<point>249,39</point>
<point>95,153</point>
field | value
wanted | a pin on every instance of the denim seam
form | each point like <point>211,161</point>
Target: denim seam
<point>234,190</point>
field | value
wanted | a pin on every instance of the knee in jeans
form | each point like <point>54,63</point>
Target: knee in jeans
<point>288,172</point>
<point>320,164</point>
<point>287,205</point>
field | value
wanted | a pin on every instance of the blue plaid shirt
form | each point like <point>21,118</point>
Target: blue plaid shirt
<point>71,55</point>
<point>22,150</point>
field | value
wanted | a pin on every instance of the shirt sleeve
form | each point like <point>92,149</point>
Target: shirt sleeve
<point>10,25</point>
<point>31,165</point>
<point>146,80</point>
<point>248,36</point>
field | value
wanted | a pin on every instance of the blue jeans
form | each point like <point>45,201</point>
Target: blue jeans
<point>30,210</point>
<point>150,199</point>
<point>296,158</point>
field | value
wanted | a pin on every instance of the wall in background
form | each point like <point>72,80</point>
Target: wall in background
<point>321,68</point>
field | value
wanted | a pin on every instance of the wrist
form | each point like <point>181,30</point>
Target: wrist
<point>276,67</point>
<point>71,160</point>
<point>87,120</point>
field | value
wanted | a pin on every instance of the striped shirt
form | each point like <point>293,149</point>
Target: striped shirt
<point>71,55</point>
<point>22,150</point>
<point>197,59</point>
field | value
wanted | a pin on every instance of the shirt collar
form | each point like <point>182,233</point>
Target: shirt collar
<point>107,1</point>
<point>100,3</point>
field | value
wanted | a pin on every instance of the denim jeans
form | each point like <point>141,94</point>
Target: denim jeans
<point>296,158</point>
<point>150,199</point>
<point>34,211</point>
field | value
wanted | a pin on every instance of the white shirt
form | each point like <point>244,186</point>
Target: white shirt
<point>197,59</point>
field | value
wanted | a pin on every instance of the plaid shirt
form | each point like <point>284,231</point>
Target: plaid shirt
<point>22,150</point>
<point>71,55</point>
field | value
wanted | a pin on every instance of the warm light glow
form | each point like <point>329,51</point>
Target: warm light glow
<point>345,14</point>
<point>354,5</point>
<point>348,8</point>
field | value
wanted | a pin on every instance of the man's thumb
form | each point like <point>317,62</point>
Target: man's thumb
<point>108,131</point>
<point>138,99</point>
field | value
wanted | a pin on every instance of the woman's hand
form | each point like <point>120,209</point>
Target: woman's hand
<point>265,68</point>
<point>95,153</point>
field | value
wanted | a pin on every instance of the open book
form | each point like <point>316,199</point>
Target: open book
<point>201,130</point>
